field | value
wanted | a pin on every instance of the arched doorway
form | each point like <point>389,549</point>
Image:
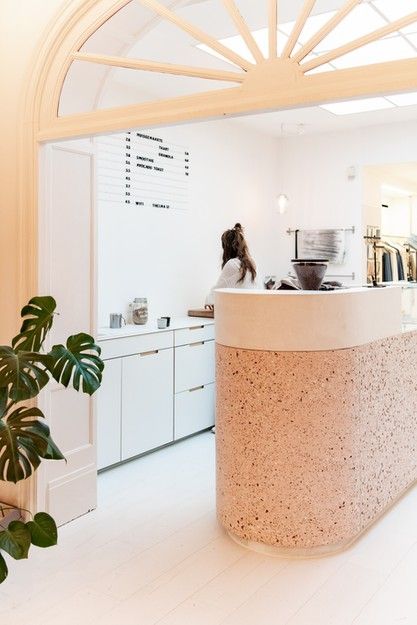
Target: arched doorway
<point>273,78</point>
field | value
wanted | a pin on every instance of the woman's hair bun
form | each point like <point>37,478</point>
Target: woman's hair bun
<point>238,226</point>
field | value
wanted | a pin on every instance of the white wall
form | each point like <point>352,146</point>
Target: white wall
<point>396,217</point>
<point>173,257</point>
<point>312,171</point>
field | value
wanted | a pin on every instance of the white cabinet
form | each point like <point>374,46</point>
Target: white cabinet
<point>127,345</point>
<point>154,393</point>
<point>194,365</point>
<point>147,401</point>
<point>109,415</point>
<point>194,387</point>
<point>193,334</point>
<point>194,410</point>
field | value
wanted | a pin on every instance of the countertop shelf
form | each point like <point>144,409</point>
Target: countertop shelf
<point>177,323</point>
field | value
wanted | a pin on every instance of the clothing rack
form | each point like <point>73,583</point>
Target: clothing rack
<point>379,242</point>
<point>293,231</point>
<point>385,244</point>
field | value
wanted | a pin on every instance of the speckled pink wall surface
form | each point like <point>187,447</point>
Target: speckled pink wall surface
<point>313,446</point>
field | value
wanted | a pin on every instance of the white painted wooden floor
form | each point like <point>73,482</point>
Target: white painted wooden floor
<point>153,553</point>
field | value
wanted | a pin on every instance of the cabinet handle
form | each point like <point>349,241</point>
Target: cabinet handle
<point>197,388</point>
<point>196,344</point>
<point>151,353</point>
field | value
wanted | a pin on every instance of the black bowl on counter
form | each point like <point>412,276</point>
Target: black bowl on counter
<point>310,272</point>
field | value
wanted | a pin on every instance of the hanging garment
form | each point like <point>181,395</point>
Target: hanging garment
<point>370,271</point>
<point>379,254</point>
<point>400,261</point>
<point>394,265</point>
<point>386,267</point>
<point>413,266</point>
<point>400,265</point>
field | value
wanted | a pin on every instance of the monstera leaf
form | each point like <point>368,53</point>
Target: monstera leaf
<point>21,373</point>
<point>39,313</point>
<point>43,530</point>
<point>24,441</point>
<point>75,362</point>
<point>15,540</point>
<point>3,569</point>
<point>4,396</point>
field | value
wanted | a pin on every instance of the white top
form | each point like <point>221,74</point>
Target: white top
<point>177,323</point>
<point>229,279</point>
<point>306,320</point>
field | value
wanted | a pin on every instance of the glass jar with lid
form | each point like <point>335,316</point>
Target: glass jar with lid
<point>140,311</point>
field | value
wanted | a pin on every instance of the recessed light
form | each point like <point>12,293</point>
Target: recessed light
<point>403,99</point>
<point>357,106</point>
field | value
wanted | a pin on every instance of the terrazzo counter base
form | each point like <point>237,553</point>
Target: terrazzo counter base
<point>313,446</point>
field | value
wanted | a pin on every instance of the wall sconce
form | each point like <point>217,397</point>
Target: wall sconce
<point>282,203</point>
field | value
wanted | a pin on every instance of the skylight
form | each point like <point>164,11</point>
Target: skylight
<point>395,9</point>
<point>351,107</point>
<point>363,19</point>
<point>313,24</point>
<point>237,44</point>
<point>390,49</point>
<point>403,99</point>
<point>357,106</point>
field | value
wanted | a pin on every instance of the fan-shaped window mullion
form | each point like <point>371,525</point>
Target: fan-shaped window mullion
<point>269,82</point>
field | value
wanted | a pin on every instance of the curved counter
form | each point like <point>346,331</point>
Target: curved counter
<point>316,426</point>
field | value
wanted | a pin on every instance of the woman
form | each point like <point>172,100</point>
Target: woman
<point>238,268</point>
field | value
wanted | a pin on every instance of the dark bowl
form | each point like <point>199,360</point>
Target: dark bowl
<point>310,273</point>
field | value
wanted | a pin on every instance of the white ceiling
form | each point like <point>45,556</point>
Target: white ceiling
<point>135,32</point>
<point>316,120</point>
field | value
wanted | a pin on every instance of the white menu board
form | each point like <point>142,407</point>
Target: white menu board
<point>143,170</point>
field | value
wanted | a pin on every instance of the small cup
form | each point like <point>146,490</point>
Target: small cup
<point>162,323</point>
<point>116,320</point>
<point>168,320</point>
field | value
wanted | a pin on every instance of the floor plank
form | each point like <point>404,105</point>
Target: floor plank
<point>153,553</point>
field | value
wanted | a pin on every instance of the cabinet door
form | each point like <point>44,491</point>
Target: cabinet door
<point>194,411</point>
<point>194,365</point>
<point>147,401</point>
<point>108,415</point>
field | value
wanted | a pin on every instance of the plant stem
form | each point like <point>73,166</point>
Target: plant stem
<point>9,506</point>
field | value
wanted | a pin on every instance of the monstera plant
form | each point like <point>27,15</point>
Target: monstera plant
<point>25,439</point>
